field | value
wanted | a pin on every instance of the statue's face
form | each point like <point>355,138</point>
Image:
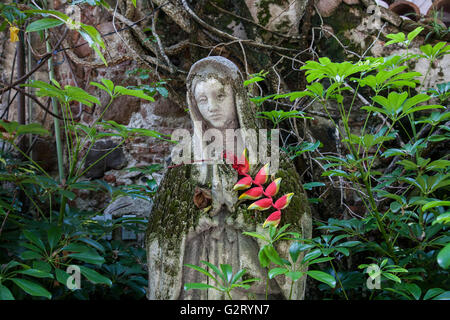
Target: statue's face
<point>215,102</point>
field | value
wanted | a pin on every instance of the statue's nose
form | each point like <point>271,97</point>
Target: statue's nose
<point>213,107</point>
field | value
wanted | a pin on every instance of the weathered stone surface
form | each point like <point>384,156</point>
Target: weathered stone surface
<point>128,205</point>
<point>114,160</point>
<point>182,230</point>
<point>327,7</point>
<point>281,16</point>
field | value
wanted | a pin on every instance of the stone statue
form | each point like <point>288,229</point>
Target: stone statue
<point>196,213</point>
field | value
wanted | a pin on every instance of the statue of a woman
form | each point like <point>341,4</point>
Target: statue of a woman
<point>196,213</point>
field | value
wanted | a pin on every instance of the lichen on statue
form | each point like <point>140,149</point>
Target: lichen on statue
<point>196,213</point>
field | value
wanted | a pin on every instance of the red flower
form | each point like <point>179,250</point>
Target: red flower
<point>273,219</point>
<point>261,205</point>
<point>243,184</point>
<point>284,201</point>
<point>252,194</point>
<point>273,188</point>
<point>262,175</point>
<point>241,165</point>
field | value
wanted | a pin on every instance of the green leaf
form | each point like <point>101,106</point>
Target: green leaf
<point>95,277</point>
<point>392,277</point>
<point>201,286</point>
<point>277,271</point>
<point>255,235</point>
<point>312,255</point>
<point>215,269</point>
<point>88,256</point>
<point>5,293</point>
<point>49,12</point>
<point>62,276</point>
<point>323,277</point>
<point>443,257</point>
<point>54,235</point>
<point>36,273</point>
<point>28,255</point>
<point>43,24</point>
<point>443,218</point>
<point>433,293</point>
<point>263,259</point>
<point>295,275</point>
<point>32,288</point>
<point>34,239</point>
<point>227,272</point>
<point>272,254</point>
<point>295,249</point>
<point>414,33</point>
<point>136,93</point>
<point>433,204</point>
<point>310,185</point>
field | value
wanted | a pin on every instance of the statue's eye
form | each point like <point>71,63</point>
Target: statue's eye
<point>202,100</point>
<point>221,96</point>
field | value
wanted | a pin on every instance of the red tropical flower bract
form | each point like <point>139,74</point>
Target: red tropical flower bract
<point>241,165</point>
<point>273,219</point>
<point>261,205</point>
<point>252,194</point>
<point>284,201</point>
<point>243,184</point>
<point>262,175</point>
<point>273,188</point>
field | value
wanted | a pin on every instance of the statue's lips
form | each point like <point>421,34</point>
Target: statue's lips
<point>216,117</point>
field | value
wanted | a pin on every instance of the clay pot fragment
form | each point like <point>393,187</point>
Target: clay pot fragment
<point>406,9</point>
<point>442,9</point>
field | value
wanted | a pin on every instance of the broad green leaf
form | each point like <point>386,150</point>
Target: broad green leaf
<point>36,273</point>
<point>28,255</point>
<point>322,277</point>
<point>392,277</point>
<point>216,270</point>
<point>43,24</point>
<point>5,293</point>
<point>263,259</point>
<point>295,249</point>
<point>88,256</point>
<point>295,275</point>
<point>443,218</point>
<point>227,271</point>
<point>443,257</point>
<point>433,293</point>
<point>32,237</point>
<point>32,288</point>
<point>310,185</point>
<point>255,235</point>
<point>62,276</point>
<point>276,272</point>
<point>54,235</point>
<point>433,204</point>
<point>95,277</point>
<point>272,254</point>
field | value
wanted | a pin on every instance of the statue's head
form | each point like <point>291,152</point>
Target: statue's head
<point>214,100</point>
<point>212,87</point>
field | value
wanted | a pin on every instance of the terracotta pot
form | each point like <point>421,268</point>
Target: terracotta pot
<point>406,9</point>
<point>442,7</point>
